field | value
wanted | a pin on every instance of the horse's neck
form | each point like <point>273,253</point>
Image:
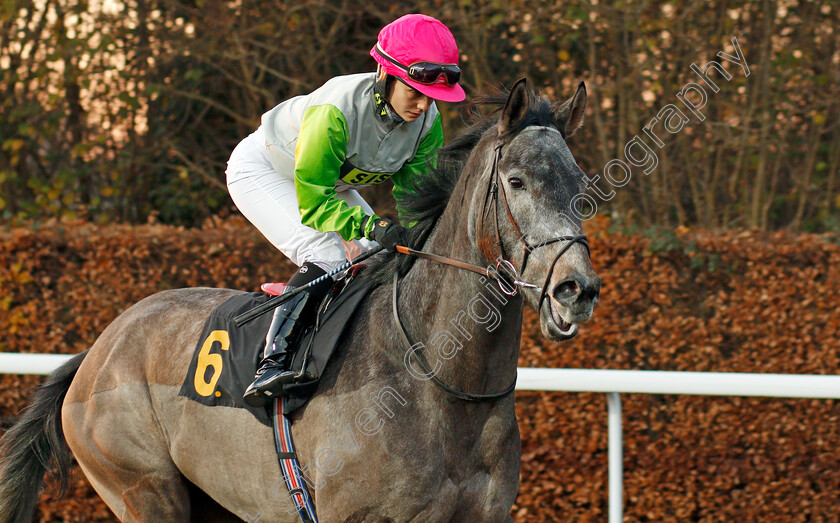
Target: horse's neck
<point>444,306</point>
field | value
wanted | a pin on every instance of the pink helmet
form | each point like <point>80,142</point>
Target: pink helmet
<point>422,52</point>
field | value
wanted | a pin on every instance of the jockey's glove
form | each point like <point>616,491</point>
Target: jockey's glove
<point>387,233</point>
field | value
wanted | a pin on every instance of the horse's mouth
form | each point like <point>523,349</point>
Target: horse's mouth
<point>567,329</point>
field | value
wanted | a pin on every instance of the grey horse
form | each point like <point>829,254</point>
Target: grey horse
<point>379,441</point>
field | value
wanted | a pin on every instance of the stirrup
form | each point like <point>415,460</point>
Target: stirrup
<point>267,387</point>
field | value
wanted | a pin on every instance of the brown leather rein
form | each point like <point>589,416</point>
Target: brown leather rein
<point>508,283</point>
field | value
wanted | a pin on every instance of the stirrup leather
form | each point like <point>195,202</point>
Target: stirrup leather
<point>272,373</point>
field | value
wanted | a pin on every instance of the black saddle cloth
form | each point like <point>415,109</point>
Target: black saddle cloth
<point>226,356</point>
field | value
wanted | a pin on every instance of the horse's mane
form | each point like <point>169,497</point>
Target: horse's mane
<point>429,195</point>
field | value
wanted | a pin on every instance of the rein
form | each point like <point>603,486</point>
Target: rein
<point>509,285</point>
<point>489,272</point>
<point>425,363</point>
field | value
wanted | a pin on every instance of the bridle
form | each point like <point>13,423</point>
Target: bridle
<point>493,195</point>
<point>508,282</point>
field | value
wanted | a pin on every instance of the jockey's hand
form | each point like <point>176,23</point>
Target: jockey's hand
<point>389,234</point>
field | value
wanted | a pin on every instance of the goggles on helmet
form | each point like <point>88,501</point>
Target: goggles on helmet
<point>426,73</point>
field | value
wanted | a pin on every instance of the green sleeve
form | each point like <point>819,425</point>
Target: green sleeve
<point>425,157</point>
<point>321,150</point>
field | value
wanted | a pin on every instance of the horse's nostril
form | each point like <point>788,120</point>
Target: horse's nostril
<point>567,291</point>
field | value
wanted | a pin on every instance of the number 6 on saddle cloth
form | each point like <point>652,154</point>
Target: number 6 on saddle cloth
<point>226,356</point>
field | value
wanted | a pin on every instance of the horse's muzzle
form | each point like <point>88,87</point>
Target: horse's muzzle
<point>577,290</point>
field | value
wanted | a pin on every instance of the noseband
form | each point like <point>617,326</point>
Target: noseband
<point>506,274</point>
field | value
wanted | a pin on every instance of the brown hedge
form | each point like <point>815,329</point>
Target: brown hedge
<point>671,300</point>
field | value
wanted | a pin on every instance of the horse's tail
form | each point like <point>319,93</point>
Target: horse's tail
<point>29,447</point>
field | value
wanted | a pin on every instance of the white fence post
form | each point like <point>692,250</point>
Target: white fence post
<point>615,456</point>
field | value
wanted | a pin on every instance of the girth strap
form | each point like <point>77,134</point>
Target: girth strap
<point>289,464</point>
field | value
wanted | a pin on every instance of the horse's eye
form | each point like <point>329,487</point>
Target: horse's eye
<point>516,183</point>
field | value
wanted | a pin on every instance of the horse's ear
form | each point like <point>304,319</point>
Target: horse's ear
<point>517,105</point>
<point>570,113</point>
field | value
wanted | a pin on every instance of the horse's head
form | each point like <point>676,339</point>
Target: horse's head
<point>531,177</point>
<point>510,181</point>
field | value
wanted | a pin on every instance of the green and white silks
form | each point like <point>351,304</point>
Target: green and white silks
<point>332,140</point>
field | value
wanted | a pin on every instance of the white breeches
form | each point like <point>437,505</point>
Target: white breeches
<point>268,199</point>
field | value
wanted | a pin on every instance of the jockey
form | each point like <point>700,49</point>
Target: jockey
<point>295,178</point>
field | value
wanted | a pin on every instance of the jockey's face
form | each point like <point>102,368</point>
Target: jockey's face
<point>409,103</point>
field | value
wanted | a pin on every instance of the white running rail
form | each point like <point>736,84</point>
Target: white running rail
<point>610,382</point>
<point>17,363</point>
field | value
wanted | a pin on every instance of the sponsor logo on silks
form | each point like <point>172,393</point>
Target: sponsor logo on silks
<point>380,104</point>
<point>354,176</point>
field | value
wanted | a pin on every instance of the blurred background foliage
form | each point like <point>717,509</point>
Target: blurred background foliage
<point>127,111</point>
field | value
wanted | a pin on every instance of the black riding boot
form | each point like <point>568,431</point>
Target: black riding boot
<point>288,322</point>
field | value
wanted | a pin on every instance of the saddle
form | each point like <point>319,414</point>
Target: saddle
<point>319,341</point>
<point>226,356</point>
